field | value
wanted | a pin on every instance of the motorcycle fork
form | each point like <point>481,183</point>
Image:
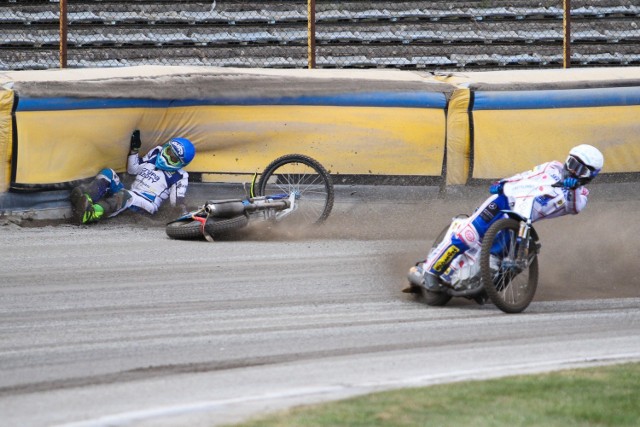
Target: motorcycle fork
<point>523,241</point>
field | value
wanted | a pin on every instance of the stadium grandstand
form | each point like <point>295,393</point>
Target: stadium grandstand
<point>432,35</point>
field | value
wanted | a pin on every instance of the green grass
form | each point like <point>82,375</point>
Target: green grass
<point>603,396</point>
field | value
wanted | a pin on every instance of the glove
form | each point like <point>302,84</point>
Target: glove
<point>136,143</point>
<point>570,183</point>
<point>496,188</point>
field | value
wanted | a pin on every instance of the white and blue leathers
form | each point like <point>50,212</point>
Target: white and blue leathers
<point>154,185</point>
<point>151,187</point>
<point>467,238</point>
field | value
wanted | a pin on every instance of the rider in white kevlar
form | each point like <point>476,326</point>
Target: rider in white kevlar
<point>159,176</point>
<point>582,165</point>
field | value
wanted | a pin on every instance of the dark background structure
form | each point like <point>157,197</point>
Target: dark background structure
<point>432,35</point>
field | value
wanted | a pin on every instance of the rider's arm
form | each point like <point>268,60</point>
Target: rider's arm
<point>133,164</point>
<point>576,199</point>
<point>538,172</point>
<point>133,160</point>
<point>181,189</point>
<point>177,190</point>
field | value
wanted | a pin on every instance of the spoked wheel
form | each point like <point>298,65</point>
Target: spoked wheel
<point>308,179</point>
<point>510,285</point>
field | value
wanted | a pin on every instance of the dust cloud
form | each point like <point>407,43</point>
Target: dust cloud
<point>592,255</point>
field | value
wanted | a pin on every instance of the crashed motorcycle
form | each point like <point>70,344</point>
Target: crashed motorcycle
<point>294,188</point>
<point>506,270</point>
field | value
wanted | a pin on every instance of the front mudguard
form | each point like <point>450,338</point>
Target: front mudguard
<point>189,216</point>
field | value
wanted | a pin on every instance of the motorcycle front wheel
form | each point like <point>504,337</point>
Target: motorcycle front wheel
<point>307,178</point>
<point>509,286</point>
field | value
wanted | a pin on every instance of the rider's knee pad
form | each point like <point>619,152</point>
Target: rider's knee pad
<point>467,237</point>
<point>107,174</point>
<point>111,180</point>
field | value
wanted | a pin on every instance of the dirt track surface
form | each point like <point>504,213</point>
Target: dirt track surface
<point>116,324</point>
<point>591,255</point>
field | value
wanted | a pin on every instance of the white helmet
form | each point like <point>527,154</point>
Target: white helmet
<point>584,162</point>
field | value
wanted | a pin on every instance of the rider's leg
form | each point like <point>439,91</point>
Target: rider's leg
<point>114,204</point>
<point>440,264</point>
<point>105,183</point>
<point>109,206</point>
<point>488,213</point>
<point>83,197</point>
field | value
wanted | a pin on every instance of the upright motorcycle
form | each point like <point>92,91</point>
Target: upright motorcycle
<point>506,270</point>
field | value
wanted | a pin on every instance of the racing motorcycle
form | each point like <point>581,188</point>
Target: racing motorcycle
<point>294,187</point>
<point>506,270</point>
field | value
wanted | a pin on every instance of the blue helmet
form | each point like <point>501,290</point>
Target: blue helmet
<point>175,154</point>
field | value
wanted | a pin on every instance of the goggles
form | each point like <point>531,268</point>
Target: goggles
<point>577,168</point>
<point>170,156</point>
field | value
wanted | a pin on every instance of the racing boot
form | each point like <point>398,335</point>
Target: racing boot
<point>431,281</point>
<point>80,202</point>
<point>416,279</point>
<point>93,213</point>
<point>420,278</point>
<point>83,209</point>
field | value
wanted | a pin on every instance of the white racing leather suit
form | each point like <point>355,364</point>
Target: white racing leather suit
<point>152,186</point>
<point>466,240</point>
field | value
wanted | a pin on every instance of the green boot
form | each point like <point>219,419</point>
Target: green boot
<point>92,213</point>
<point>80,202</point>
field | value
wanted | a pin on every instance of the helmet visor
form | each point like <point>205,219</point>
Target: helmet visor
<point>170,156</point>
<point>577,168</point>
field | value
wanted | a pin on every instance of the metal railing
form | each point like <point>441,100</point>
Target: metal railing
<point>431,35</point>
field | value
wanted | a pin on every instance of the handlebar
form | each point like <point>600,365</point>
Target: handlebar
<point>578,184</point>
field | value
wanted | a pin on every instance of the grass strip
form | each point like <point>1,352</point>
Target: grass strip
<point>602,396</point>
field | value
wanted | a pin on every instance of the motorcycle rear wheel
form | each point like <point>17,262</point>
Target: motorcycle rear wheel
<point>191,229</point>
<point>300,174</point>
<point>509,290</point>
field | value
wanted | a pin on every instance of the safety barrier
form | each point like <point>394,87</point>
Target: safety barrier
<point>60,127</point>
<point>503,122</point>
